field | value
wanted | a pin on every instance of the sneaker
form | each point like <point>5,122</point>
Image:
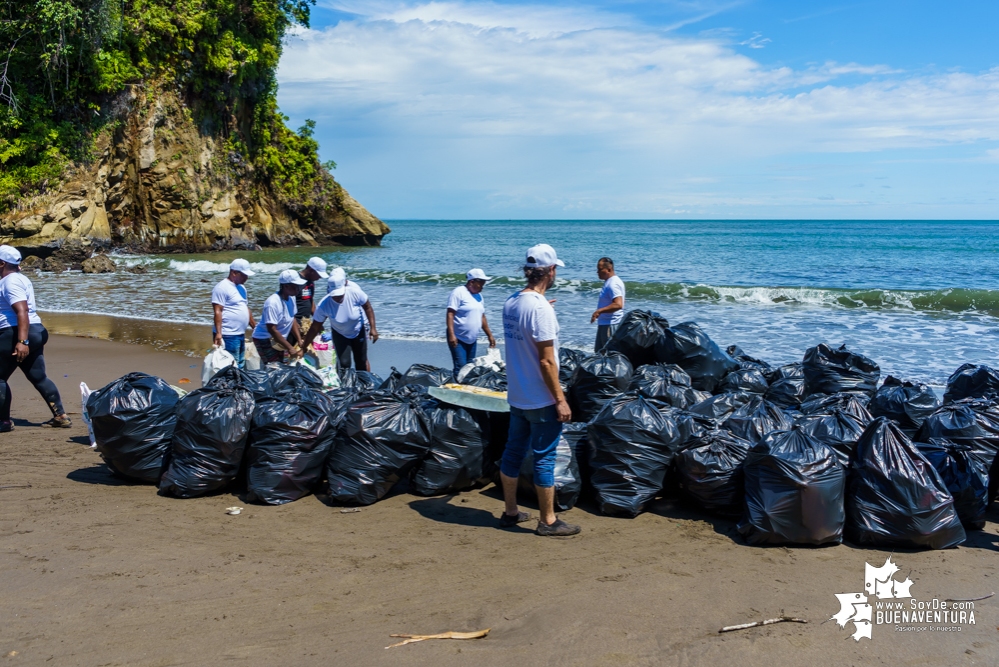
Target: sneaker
<point>508,520</point>
<point>558,529</point>
<point>6,426</point>
<point>59,422</point>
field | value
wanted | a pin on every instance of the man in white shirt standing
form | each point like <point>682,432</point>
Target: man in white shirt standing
<point>350,315</point>
<point>610,304</point>
<point>232,314</point>
<point>537,405</point>
<point>466,318</point>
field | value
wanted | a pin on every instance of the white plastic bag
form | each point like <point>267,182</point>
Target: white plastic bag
<point>85,393</point>
<point>491,360</point>
<point>331,379</point>
<point>251,358</point>
<point>325,354</point>
<point>215,361</point>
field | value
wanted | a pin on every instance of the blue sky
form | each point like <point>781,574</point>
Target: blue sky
<point>755,109</point>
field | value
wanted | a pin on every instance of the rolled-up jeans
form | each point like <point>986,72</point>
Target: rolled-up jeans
<point>539,431</point>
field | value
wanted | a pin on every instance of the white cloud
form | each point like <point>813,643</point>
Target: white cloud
<point>485,74</point>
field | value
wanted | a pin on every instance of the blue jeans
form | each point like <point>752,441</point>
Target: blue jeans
<point>462,354</point>
<point>540,430</point>
<point>236,346</point>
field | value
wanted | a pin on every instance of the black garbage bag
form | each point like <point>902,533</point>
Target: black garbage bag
<point>597,379</point>
<point>837,429</point>
<point>666,382</point>
<point>786,371</point>
<point>340,401</point>
<point>754,420</point>
<point>576,435</point>
<point>687,346</point>
<point>258,382</point>
<point>208,443</point>
<point>290,439</point>
<point>568,359</point>
<point>486,378</point>
<point>362,381</point>
<point>426,376</point>
<point>787,385</point>
<point>285,376</point>
<point>828,371</point>
<point>391,383</point>
<point>568,480</point>
<point>380,441</point>
<point>632,443</point>
<point>457,447</point>
<point>749,380</point>
<point>710,470</point>
<point>794,491</point>
<point>907,403</point>
<point>637,335</point>
<point>854,404</point>
<point>895,497</point>
<point>746,361</point>
<point>971,422</point>
<point>971,381</point>
<point>966,479</point>
<point>133,421</point>
<point>496,429</point>
<point>721,406</point>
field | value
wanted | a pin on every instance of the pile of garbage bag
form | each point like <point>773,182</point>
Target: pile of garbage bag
<point>801,453</point>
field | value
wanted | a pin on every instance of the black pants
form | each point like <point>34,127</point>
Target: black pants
<point>359,346</point>
<point>33,368</point>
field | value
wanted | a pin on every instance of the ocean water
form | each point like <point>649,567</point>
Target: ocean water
<point>918,297</point>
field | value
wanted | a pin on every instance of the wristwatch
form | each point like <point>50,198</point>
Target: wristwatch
<point>24,342</point>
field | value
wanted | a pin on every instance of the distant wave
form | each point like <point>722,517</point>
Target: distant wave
<point>954,300</point>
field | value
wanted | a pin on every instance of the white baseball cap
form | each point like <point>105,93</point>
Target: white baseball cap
<point>318,265</point>
<point>9,255</point>
<point>542,256</point>
<point>291,277</point>
<point>337,283</point>
<point>242,266</point>
<point>477,274</point>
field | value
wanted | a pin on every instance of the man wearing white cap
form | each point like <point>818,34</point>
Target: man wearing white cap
<point>351,316</point>
<point>22,341</point>
<point>305,302</point>
<point>277,323</point>
<point>232,314</point>
<point>537,405</point>
<point>466,318</point>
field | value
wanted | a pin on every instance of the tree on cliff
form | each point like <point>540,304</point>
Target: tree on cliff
<point>64,65</point>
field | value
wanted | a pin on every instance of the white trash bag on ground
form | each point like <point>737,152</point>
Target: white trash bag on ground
<point>492,360</point>
<point>215,361</point>
<point>325,354</point>
<point>85,393</point>
<point>251,358</point>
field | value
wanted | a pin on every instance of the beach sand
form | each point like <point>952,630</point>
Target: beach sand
<point>100,572</point>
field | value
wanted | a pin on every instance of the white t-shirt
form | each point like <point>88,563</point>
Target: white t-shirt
<point>468,311</point>
<point>346,317</point>
<point>613,287</point>
<point>235,314</point>
<point>277,312</point>
<point>14,289</point>
<point>528,318</point>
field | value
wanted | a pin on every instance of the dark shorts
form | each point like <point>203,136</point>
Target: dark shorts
<point>265,348</point>
<point>604,333</point>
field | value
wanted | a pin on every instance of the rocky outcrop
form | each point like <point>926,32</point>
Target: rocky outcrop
<point>99,264</point>
<point>158,183</point>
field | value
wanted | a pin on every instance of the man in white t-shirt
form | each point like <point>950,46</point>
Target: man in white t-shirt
<point>277,322</point>
<point>610,303</point>
<point>232,314</point>
<point>352,320</point>
<point>466,318</point>
<point>537,405</point>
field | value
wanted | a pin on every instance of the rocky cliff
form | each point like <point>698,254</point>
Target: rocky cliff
<point>159,183</point>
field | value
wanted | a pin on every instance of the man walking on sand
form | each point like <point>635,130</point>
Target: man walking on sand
<point>537,406</point>
<point>610,303</point>
<point>232,314</point>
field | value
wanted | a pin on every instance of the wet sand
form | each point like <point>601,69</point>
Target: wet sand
<point>99,572</point>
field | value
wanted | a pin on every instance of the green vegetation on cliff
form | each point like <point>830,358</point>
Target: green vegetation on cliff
<point>65,63</point>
